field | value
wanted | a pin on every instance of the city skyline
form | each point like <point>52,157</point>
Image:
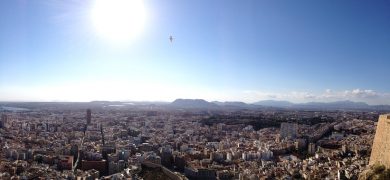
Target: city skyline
<point>222,50</point>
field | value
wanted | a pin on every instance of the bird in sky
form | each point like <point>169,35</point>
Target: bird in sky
<point>171,38</point>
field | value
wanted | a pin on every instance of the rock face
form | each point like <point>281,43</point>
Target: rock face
<point>193,103</point>
<point>380,153</point>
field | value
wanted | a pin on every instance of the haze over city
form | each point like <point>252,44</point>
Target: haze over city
<point>300,51</point>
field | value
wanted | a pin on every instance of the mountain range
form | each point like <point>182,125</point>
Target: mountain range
<point>203,104</point>
<point>193,103</point>
<point>337,105</point>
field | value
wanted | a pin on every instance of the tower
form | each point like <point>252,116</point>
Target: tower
<point>4,121</point>
<point>102,133</point>
<point>288,130</point>
<point>311,149</point>
<point>380,152</point>
<point>88,116</point>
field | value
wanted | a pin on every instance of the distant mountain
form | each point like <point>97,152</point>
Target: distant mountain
<point>381,107</point>
<point>146,102</point>
<point>193,103</point>
<point>337,105</point>
<point>233,104</point>
<point>320,105</point>
<point>274,103</point>
<point>202,104</point>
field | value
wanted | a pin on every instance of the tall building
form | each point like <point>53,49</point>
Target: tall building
<point>89,116</point>
<point>380,152</point>
<point>4,121</point>
<point>311,148</point>
<point>288,130</point>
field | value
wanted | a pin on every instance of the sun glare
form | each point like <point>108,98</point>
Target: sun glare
<point>118,20</point>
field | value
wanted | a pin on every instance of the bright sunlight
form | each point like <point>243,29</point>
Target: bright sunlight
<point>118,20</point>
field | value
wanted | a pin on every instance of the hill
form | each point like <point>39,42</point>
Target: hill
<point>193,103</point>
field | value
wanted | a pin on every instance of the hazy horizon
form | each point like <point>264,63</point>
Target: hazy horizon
<point>168,102</point>
<point>301,51</point>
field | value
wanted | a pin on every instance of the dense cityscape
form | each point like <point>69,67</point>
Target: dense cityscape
<point>105,140</point>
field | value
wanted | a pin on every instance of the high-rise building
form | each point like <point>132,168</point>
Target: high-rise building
<point>288,130</point>
<point>4,121</point>
<point>380,153</point>
<point>89,116</point>
<point>311,148</point>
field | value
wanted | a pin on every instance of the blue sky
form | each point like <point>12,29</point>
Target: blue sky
<point>223,50</point>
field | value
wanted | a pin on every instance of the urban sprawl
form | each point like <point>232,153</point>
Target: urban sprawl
<point>156,142</point>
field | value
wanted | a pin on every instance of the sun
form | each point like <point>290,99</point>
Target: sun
<point>118,20</point>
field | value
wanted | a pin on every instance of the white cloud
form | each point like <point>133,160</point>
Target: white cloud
<point>350,94</point>
<point>361,93</point>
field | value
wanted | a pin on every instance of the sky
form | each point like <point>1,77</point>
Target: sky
<point>225,50</point>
